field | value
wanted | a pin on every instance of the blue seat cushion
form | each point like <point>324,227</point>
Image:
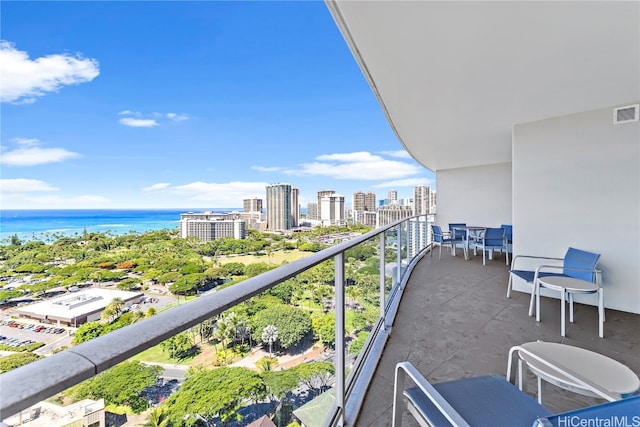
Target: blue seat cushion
<point>482,401</point>
<point>578,258</point>
<point>528,275</point>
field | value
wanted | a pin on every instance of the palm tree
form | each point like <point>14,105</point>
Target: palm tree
<point>116,305</point>
<point>270,335</point>
<point>157,418</point>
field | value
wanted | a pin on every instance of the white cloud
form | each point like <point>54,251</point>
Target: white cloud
<point>357,166</point>
<point>30,153</point>
<point>359,156</point>
<point>24,185</point>
<point>227,194</point>
<point>177,117</point>
<point>410,182</point>
<point>24,79</point>
<point>400,154</point>
<point>138,123</point>
<point>267,169</point>
<point>156,187</point>
<point>140,120</point>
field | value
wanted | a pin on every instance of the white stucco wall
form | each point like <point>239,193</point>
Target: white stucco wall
<point>476,195</point>
<point>576,182</point>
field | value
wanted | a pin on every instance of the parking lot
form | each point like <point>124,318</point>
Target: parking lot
<point>17,334</point>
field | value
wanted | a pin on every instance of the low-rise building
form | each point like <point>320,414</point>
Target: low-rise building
<point>208,226</point>
<point>74,309</point>
<point>85,413</point>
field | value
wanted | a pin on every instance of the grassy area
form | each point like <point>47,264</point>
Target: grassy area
<point>181,300</point>
<point>274,258</point>
<point>157,355</point>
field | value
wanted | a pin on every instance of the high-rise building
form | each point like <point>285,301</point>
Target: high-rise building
<point>332,210</point>
<point>321,194</point>
<point>283,210</point>
<point>392,213</point>
<point>312,211</point>
<point>358,201</point>
<point>392,196</point>
<point>418,234</point>
<point>370,202</point>
<point>365,218</point>
<point>252,205</point>
<point>364,202</point>
<point>422,200</point>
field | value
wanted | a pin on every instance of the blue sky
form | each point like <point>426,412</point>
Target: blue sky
<point>186,105</point>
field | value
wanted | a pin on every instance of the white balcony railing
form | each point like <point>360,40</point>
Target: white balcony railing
<point>408,239</point>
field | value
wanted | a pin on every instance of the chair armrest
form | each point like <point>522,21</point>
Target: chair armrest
<point>597,272</point>
<point>404,369</point>
<point>513,261</point>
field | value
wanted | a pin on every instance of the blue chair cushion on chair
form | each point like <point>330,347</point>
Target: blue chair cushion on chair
<point>580,259</point>
<point>528,275</point>
<point>494,237</point>
<point>508,232</point>
<point>482,401</point>
<point>457,234</point>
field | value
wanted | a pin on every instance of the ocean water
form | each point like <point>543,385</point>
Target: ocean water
<point>30,224</point>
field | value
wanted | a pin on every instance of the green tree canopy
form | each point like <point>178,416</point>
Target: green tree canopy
<point>324,327</point>
<point>292,324</point>
<point>120,385</point>
<point>214,393</point>
<point>316,375</point>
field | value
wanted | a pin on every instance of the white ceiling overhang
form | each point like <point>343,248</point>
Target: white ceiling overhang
<point>454,77</point>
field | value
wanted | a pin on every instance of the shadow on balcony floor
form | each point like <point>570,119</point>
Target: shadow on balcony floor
<point>455,321</point>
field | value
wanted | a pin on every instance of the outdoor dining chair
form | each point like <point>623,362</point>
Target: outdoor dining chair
<point>576,263</point>
<point>441,239</point>
<point>491,240</point>
<point>458,237</point>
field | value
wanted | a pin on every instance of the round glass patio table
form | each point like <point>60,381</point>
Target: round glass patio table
<point>569,286</point>
<point>592,367</point>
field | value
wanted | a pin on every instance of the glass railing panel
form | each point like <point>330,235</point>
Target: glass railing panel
<point>281,340</point>
<point>391,274</point>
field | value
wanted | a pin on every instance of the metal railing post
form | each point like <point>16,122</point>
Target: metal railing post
<point>408,240</point>
<point>399,253</point>
<point>340,326</point>
<point>383,297</point>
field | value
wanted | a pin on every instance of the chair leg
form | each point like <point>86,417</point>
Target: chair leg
<point>509,286</point>
<point>570,307</point>
<point>540,390</point>
<point>535,301</point>
<point>563,326</point>
<point>601,312</point>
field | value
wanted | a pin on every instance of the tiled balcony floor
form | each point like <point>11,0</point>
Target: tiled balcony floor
<point>455,321</point>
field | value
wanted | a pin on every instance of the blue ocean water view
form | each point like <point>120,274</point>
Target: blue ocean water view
<point>35,224</point>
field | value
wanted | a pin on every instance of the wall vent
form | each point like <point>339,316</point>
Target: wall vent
<point>628,113</point>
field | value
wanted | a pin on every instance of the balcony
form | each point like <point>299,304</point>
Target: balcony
<point>454,321</point>
<point>449,317</point>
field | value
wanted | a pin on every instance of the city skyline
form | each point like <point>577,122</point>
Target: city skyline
<point>162,105</point>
